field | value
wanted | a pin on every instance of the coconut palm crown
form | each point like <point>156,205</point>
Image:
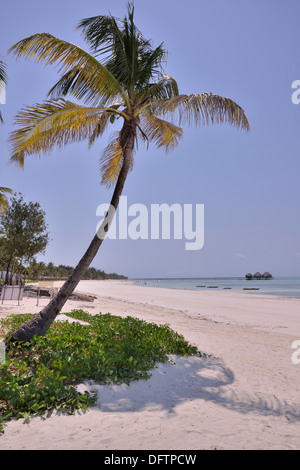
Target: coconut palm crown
<point>120,81</point>
<point>128,83</point>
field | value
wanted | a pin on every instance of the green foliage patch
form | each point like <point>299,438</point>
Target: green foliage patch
<point>40,376</point>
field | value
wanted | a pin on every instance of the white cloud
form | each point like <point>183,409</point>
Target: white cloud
<point>240,255</point>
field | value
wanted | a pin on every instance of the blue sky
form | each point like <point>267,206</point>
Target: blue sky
<point>248,182</point>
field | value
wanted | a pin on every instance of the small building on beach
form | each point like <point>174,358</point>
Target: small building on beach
<point>258,275</point>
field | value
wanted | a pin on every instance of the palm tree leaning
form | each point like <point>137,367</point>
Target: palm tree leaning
<point>127,85</point>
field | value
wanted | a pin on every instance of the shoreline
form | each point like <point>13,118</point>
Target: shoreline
<point>232,289</point>
<point>245,396</point>
<point>261,311</point>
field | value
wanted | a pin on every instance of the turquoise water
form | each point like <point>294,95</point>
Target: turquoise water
<point>286,287</point>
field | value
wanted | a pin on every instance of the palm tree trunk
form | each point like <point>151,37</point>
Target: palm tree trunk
<point>41,322</point>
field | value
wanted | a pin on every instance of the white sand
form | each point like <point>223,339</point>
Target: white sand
<point>247,396</point>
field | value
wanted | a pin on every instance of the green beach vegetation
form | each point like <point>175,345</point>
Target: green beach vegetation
<point>121,82</point>
<point>41,376</point>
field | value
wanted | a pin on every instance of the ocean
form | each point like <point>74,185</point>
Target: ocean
<point>285,287</point>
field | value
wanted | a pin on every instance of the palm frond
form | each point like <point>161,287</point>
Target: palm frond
<point>100,127</point>
<point>164,89</point>
<point>3,198</point>
<point>53,123</point>
<point>201,109</point>
<point>162,133</point>
<point>101,32</point>
<point>111,161</point>
<point>108,116</point>
<point>149,64</point>
<point>129,56</point>
<point>105,37</point>
<point>85,77</point>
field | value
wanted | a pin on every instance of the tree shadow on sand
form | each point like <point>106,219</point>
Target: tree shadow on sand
<point>188,378</point>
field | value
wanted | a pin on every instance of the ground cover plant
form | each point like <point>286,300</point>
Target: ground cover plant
<point>41,375</point>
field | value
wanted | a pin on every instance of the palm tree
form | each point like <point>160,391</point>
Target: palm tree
<point>129,85</point>
<point>3,79</point>
<point>3,198</point>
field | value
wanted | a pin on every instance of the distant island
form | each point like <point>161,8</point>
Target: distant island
<point>258,275</point>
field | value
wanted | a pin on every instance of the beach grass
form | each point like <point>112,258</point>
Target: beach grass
<point>42,375</point>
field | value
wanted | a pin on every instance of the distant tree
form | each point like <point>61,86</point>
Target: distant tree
<point>24,233</point>
<point>36,269</point>
<point>63,270</point>
<point>50,269</point>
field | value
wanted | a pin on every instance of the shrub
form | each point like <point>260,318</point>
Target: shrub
<point>40,376</point>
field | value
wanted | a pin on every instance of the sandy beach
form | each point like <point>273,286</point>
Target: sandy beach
<point>245,395</point>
